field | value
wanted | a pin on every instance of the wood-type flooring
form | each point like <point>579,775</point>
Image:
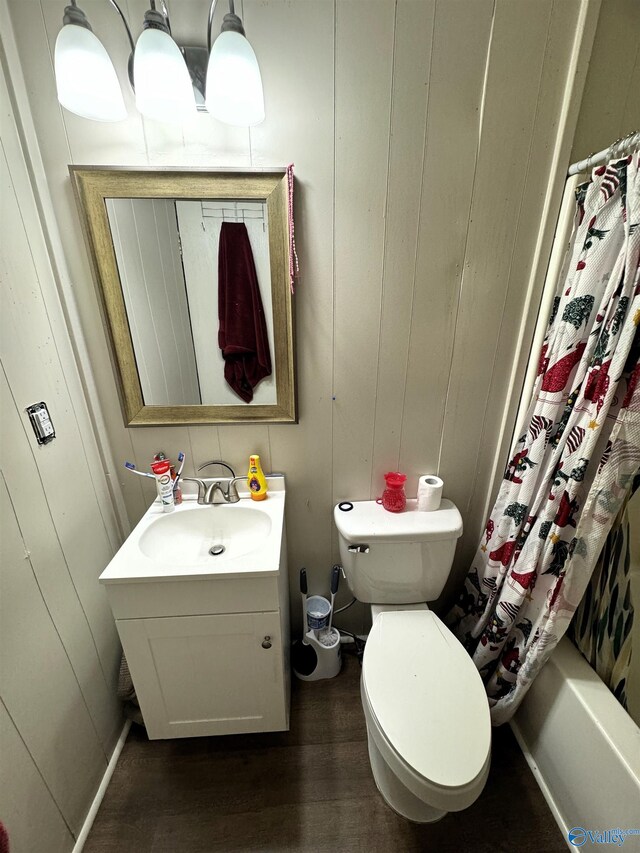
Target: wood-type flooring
<point>308,789</point>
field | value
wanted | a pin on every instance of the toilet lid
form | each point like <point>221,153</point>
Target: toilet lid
<point>427,696</point>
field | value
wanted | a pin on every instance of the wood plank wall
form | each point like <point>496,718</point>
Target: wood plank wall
<point>155,294</point>
<point>59,651</point>
<point>611,101</point>
<point>422,133</point>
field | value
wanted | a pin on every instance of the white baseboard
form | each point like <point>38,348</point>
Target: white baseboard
<point>104,784</point>
<point>546,792</point>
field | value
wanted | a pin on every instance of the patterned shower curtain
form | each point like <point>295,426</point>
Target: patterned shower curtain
<point>570,471</point>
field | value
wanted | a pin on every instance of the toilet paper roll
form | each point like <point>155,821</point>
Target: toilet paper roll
<point>429,493</point>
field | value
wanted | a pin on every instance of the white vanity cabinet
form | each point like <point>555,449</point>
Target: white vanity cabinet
<point>207,644</point>
<point>207,675</point>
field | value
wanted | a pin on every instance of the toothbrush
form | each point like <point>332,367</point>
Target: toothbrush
<point>179,471</point>
<point>303,594</point>
<point>131,467</point>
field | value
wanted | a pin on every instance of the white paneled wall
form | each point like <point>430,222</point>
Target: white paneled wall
<point>611,103</point>
<point>147,248</point>
<point>59,651</point>
<point>425,136</point>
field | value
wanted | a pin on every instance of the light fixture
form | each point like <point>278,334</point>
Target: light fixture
<point>170,82</point>
<point>86,80</point>
<point>160,75</point>
<point>234,85</point>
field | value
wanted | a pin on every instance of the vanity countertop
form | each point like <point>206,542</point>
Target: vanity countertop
<point>176,546</point>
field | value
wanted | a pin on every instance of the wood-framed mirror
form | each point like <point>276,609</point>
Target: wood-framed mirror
<point>193,271</point>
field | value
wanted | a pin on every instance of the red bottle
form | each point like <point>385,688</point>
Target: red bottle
<point>393,498</point>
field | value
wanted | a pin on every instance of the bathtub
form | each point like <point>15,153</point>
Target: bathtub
<point>582,746</point>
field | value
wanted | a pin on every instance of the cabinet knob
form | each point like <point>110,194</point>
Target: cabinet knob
<point>266,643</point>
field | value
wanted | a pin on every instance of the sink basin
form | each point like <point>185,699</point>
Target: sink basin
<point>205,534</point>
<point>226,540</point>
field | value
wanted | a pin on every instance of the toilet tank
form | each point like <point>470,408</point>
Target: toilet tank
<point>396,558</point>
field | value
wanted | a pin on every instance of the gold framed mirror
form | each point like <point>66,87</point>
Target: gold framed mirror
<point>193,272</point>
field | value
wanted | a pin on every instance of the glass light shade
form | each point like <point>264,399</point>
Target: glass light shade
<point>86,80</point>
<point>234,85</point>
<point>161,79</point>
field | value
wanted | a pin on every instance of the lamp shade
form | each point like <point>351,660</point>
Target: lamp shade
<point>234,85</point>
<point>86,80</point>
<point>161,79</point>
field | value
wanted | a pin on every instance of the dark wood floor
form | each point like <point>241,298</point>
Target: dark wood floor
<point>309,789</point>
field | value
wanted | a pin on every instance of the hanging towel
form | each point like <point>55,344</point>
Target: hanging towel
<point>242,331</point>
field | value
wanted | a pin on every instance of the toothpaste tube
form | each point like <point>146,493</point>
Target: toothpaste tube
<point>164,484</point>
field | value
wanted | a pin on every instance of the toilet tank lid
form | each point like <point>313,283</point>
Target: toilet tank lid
<point>369,519</point>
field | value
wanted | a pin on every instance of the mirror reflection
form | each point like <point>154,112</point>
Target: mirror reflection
<point>194,274</point>
<point>196,281</point>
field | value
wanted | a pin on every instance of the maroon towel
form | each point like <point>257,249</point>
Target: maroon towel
<point>242,331</point>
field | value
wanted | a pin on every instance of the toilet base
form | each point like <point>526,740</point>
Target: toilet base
<point>395,794</point>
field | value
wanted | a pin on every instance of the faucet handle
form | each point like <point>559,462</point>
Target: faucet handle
<point>232,495</point>
<point>201,487</point>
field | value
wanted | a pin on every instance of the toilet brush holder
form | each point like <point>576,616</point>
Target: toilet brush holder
<point>326,644</point>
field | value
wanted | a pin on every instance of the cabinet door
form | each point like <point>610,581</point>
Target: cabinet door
<point>207,675</point>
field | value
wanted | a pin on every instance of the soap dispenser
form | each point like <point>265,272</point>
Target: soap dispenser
<point>256,479</point>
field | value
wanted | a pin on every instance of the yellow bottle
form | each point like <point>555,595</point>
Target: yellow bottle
<point>256,480</point>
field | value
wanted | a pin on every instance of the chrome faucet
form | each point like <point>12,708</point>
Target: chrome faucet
<point>216,462</point>
<point>207,494</point>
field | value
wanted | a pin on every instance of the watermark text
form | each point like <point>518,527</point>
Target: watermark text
<point>578,836</point>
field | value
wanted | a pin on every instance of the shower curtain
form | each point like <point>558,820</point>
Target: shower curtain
<point>570,471</point>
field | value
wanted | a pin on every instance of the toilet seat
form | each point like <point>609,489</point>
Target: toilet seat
<point>426,708</point>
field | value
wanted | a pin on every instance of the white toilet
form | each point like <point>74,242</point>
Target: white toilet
<point>426,709</point>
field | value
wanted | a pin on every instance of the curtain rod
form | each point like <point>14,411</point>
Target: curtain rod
<point>616,149</point>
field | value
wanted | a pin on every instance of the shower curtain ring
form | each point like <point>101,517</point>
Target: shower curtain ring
<point>611,151</point>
